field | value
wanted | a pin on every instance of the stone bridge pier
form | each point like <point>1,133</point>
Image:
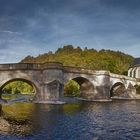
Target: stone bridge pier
<point>52,84</point>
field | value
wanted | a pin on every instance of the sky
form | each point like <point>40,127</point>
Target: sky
<point>33,27</point>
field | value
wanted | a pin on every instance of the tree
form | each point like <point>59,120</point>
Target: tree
<point>72,88</point>
<point>19,87</point>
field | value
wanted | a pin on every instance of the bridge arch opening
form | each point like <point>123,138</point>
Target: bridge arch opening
<point>137,87</point>
<point>117,90</point>
<point>17,88</point>
<point>72,89</point>
<point>80,87</point>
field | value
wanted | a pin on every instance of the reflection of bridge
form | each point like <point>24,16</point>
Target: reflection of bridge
<point>49,80</point>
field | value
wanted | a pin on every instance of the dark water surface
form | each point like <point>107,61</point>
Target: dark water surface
<point>117,120</point>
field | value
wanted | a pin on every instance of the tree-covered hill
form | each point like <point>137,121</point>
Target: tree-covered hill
<point>114,61</point>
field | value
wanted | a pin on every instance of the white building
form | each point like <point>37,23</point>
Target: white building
<point>134,70</point>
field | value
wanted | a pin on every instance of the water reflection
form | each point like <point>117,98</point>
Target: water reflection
<point>16,119</point>
<point>71,109</point>
<point>88,121</point>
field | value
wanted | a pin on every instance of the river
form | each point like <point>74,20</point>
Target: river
<point>116,120</point>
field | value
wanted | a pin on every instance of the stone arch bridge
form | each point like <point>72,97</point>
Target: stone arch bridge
<point>49,80</point>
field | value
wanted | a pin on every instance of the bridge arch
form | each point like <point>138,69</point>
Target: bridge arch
<point>31,83</point>
<point>86,87</point>
<point>117,89</point>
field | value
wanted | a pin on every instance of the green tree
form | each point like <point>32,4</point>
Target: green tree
<point>72,88</point>
<point>19,87</point>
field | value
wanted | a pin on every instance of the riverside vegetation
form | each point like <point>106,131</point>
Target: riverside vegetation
<point>114,61</point>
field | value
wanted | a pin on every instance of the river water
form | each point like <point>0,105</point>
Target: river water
<point>116,120</point>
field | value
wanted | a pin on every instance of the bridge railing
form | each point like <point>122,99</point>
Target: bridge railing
<point>19,66</point>
<point>31,66</point>
<point>52,65</point>
<point>85,71</point>
<point>113,75</point>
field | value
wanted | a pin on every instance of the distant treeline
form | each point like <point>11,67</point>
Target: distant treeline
<point>114,61</point>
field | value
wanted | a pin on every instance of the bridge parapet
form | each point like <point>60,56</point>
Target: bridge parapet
<point>85,71</point>
<point>57,65</point>
<point>122,77</point>
<point>17,66</point>
<point>30,66</point>
<point>52,65</point>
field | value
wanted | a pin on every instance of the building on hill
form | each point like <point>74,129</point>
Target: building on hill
<point>134,70</point>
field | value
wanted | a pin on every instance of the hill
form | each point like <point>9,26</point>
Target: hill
<point>114,61</point>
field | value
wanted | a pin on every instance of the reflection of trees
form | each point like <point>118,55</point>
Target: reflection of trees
<point>4,125</point>
<point>14,120</point>
<point>71,109</point>
<point>22,119</point>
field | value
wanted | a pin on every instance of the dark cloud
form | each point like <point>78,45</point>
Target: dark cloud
<point>44,25</point>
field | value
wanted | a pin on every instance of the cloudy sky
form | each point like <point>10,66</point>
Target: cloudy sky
<point>32,27</point>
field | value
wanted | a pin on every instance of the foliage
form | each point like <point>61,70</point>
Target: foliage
<point>18,111</point>
<point>18,87</point>
<point>114,61</point>
<point>72,88</point>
